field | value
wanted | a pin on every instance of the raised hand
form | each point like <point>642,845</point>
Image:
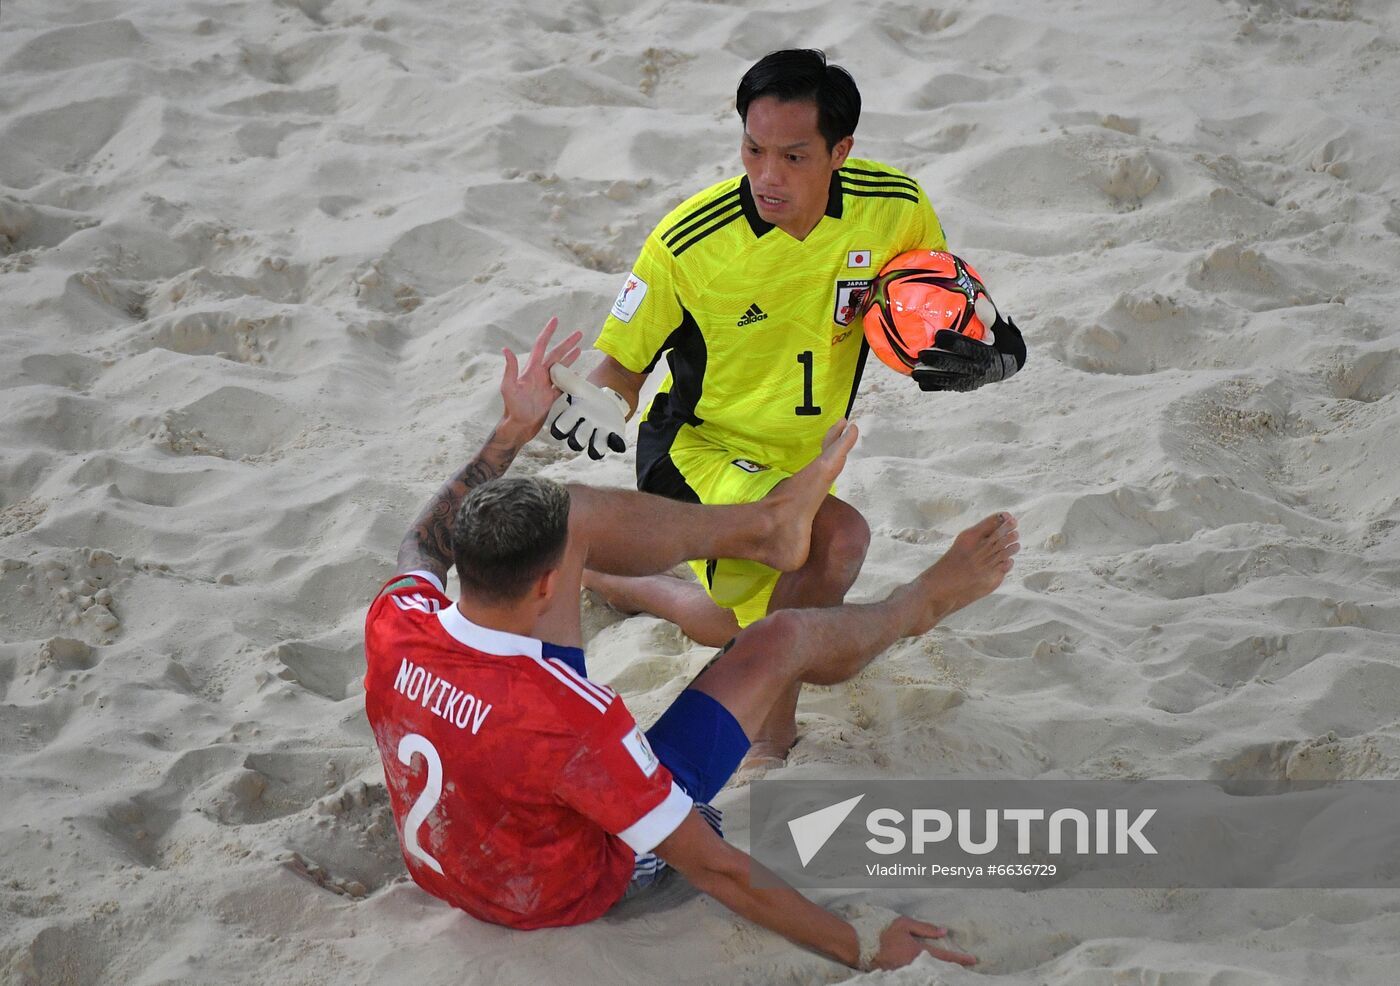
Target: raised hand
<point>529,394</point>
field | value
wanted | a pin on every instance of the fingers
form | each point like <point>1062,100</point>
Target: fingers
<point>925,930</point>
<point>842,433</point>
<point>542,340</point>
<point>957,363</point>
<point>947,955</point>
<point>928,380</point>
<point>512,366</point>
<point>556,412</point>
<point>922,929</point>
<point>947,340</point>
<point>561,434</point>
<point>566,352</point>
<point>834,432</point>
<point>952,373</point>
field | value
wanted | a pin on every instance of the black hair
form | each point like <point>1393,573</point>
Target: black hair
<point>801,74</point>
<point>507,534</point>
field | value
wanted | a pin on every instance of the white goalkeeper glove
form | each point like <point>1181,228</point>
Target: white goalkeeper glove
<point>586,416</point>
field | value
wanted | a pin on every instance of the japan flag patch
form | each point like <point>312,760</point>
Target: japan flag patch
<point>636,744</point>
<point>858,258</point>
<point>629,299</point>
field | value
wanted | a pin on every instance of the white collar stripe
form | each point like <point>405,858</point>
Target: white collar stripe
<point>606,694</point>
<point>573,686</point>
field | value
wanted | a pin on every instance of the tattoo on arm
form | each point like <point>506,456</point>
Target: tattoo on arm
<point>428,544</point>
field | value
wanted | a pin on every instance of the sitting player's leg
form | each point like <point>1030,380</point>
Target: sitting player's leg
<point>831,645</point>
<point>840,538</point>
<point>839,541</point>
<point>733,592</point>
<point>627,533</point>
<point>680,600</point>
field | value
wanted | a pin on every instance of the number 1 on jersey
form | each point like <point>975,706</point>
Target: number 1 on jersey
<point>807,408</point>
<point>427,801</point>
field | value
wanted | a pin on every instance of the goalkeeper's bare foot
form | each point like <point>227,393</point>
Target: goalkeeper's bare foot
<point>794,502</point>
<point>973,567</point>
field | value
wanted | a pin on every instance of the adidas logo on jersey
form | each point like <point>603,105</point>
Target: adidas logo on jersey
<point>754,314</point>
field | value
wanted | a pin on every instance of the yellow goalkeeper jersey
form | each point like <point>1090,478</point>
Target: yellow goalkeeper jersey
<point>761,332</point>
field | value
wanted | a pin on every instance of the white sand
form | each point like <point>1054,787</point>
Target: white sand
<point>257,261</point>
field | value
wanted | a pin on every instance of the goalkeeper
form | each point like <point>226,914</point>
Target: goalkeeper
<point>750,291</point>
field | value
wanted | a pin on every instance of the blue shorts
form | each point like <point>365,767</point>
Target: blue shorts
<point>701,744</point>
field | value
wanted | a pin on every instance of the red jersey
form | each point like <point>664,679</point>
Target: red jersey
<point>521,790</point>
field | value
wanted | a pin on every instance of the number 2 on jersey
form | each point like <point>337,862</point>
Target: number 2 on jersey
<point>427,801</point>
<point>807,408</point>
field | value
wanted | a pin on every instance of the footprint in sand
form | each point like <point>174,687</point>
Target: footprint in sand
<point>948,89</point>
<point>64,140</point>
<point>332,672</point>
<point>68,370</point>
<point>1132,179</point>
<point>1327,757</point>
<point>230,423</point>
<point>126,298</point>
<point>273,785</point>
<point>347,841</point>
<point>60,953</point>
<point>62,421</point>
<point>30,228</point>
<point>73,593</point>
<point>221,333</point>
<point>1250,279</point>
<point>1148,332</point>
<point>912,26</point>
<point>1365,377</point>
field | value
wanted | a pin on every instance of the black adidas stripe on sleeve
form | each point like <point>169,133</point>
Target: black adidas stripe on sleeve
<point>698,218</point>
<point>877,179</point>
<point>716,227</point>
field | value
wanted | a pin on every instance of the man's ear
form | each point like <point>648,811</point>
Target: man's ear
<point>841,151</point>
<point>549,581</point>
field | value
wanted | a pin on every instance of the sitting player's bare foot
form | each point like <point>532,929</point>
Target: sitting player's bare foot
<point>794,502</point>
<point>754,766</point>
<point>973,567</point>
<point>612,589</point>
